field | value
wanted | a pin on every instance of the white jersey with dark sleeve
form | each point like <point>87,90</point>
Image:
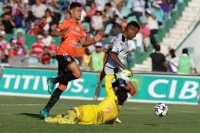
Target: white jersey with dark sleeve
<point>119,45</point>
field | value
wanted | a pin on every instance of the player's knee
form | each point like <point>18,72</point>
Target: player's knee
<point>62,86</point>
<point>77,74</point>
<point>133,91</point>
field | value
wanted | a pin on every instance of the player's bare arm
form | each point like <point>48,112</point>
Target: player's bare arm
<point>114,57</point>
<point>195,70</point>
<point>96,39</point>
<point>58,32</point>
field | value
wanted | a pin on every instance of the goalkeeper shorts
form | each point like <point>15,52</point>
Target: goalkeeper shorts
<point>87,114</point>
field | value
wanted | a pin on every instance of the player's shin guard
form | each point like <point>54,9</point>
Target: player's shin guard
<point>54,98</point>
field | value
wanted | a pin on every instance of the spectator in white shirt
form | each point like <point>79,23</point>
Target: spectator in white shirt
<point>44,24</point>
<point>100,4</point>
<point>39,9</point>
<point>97,21</point>
<point>139,45</point>
<point>170,56</point>
<point>152,24</point>
<point>113,3</point>
<point>83,15</point>
<point>184,63</point>
<point>131,48</point>
<point>47,39</point>
<point>110,13</point>
<point>138,9</point>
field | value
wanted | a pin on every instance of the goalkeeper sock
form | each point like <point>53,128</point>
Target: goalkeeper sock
<point>54,98</point>
<point>71,115</point>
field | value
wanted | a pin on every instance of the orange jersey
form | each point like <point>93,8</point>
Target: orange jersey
<point>70,41</point>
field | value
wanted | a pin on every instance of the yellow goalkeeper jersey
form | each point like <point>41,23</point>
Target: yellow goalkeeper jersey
<point>106,111</point>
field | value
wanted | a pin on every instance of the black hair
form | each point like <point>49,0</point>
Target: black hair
<point>122,95</point>
<point>157,47</point>
<point>45,47</point>
<point>74,5</point>
<point>120,92</point>
<point>64,8</point>
<point>2,15</point>
<point>108,4</point>
<point>125,17</point>
<point>185,51</point>
<point>20,13</point>
<point>92,2</point>
<point>172,52</point>
<point>11,39</point>
<point>44,17</point>
<point>116,16</point>
<point>6,13</point>
<point>98,12</point>
<point>132,25</point>
<point>47,10</point>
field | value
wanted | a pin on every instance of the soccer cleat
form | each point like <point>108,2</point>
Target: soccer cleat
<point>51,86</point>
<point>44,113</point>
<point>118,120</point>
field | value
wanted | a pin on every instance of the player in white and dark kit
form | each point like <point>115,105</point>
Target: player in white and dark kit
<point>118,53</point>
<point>119,46</point>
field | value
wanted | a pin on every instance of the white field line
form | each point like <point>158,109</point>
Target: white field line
<point>21,104</point>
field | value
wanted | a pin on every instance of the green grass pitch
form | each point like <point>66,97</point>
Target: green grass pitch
<point>21,115</point>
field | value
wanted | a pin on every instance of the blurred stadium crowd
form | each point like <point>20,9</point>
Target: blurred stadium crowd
<point>25,27</point>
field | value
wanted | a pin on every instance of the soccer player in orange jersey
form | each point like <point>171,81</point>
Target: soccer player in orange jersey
<point>72,33</point>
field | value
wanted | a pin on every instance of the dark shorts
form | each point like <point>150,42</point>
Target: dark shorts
<point>63,61</point>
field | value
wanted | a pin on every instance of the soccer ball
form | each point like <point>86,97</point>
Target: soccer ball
<point>160,110</point>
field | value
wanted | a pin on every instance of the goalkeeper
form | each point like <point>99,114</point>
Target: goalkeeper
<point>105,112</point>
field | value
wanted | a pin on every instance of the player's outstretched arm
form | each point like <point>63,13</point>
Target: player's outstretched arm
<point>101,76</point>
<point>97,38</point>
<point>115,58</point>
<point>58,32</point>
